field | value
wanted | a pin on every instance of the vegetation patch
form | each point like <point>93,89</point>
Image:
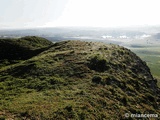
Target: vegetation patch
<point>98,63</point>
<point>73,80</point>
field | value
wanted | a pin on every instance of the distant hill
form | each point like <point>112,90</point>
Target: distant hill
<point>22,48</point>
<point>73,80</point>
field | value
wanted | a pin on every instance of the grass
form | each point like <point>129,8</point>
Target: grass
<point>76,80</point>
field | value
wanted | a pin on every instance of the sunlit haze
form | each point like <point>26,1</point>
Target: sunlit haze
<point>91,13</point>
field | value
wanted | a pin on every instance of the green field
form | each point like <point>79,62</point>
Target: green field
<point>152,56</point>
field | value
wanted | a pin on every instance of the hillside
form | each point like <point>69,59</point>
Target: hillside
<point>74,80</point>
<point>13,50</point>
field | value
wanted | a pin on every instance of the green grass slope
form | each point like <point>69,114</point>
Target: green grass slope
<point>78,80</point>
<point>14,50</point>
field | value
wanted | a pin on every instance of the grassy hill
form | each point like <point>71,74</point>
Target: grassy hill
<point>74,80</point>
<point>14,50</point>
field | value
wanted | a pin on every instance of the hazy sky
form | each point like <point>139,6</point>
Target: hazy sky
<point>97,13</point>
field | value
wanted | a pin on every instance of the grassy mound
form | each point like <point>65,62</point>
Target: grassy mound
<point>14,50</point>
<point>78,80</point>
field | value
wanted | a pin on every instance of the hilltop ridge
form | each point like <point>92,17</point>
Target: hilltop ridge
<point>76,80</point>
<point>13,50</point>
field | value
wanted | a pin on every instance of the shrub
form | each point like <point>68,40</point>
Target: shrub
<point>97,79</point>
<point>55,80</point>
<point>41,85</point>
<point>98,63</point>
<point>69,108</point>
